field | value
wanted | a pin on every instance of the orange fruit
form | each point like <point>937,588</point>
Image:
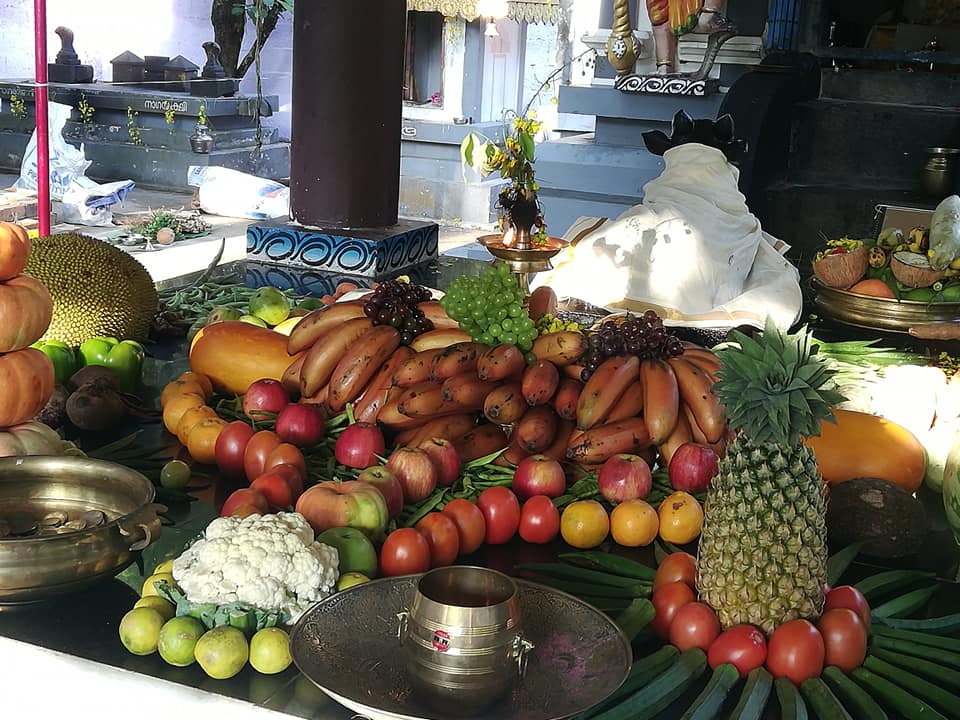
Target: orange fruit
<point>177,405</point>
<point>634,523</point>
<point>584,524</point>
<point>202,440</point>
<point>179,387</point>
<point>190,418</point>
<point>201,379</point>
<point>872,286</point>
<point>681,518</point>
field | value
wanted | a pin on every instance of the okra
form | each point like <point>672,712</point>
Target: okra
<point>792,706</point>
<point>922,638</point>
<point>635,618</point>
<point>608,591</point>
<point>662,690</point>
<point>937,655</point>
<point>710,701</point>
<point>931,670</point>
<point>890,581</point>
<point>754,696</point>
<point>903,704</point>
<point>615,564</point>
<point>907,604</point>
<point>944,624</point>
<point>855,699</point>
<point>932,694</point>
<point>824,703</point>
<point>838,563</point>
<point>564,571</point>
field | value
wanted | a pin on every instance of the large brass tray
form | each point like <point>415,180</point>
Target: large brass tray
<point>347,645</point>
<point>876,313</point>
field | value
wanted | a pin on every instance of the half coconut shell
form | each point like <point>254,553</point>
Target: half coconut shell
<point>913,270</point>
<point>843,269</point>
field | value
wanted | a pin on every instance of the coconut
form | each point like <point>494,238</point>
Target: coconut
<point>913,270</point>
<point>843,269</point>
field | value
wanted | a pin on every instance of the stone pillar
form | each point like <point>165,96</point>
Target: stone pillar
<point>346,119</point>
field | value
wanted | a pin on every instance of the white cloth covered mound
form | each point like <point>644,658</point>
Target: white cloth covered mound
<point>691,250</point>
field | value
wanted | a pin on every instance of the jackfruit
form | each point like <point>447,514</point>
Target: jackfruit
<point>97,289</point>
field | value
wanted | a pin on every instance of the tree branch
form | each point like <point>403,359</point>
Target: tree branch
<point>228,31</point>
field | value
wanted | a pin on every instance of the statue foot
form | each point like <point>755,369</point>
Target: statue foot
<point>712,21</point>
<point>666,67</point>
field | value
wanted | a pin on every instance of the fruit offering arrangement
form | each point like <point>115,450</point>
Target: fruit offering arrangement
<point>921,265</point>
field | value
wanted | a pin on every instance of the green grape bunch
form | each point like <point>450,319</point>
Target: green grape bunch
<point>490,308</point>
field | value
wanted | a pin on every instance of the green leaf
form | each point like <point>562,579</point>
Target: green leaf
<point>526,143</point>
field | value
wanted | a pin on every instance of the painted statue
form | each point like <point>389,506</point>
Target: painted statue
<point>672,18</point>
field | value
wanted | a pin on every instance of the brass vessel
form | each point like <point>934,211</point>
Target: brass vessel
<point>877,313</point>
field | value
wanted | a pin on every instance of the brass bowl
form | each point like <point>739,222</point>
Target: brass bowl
<point>537,253</point>
<point>37,567</point>
<point>877,313</point>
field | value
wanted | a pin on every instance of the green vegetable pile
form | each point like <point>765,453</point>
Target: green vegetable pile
<point>245,618</point>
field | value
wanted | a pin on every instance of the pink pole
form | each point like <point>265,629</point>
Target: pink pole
<point>40,106</point>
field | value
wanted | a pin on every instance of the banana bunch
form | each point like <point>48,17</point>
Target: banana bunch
<point>548,323</point>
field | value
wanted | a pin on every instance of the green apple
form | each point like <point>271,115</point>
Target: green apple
<point>357,554</point>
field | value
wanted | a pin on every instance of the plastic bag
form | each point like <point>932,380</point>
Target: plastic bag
<point>232,193</point>
<point>66,161</point>
<point>86,202</point>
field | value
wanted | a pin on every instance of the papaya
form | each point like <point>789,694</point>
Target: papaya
<point>860,445</point>
<point>236,354</point>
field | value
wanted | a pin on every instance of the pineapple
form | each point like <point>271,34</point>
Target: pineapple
<point>763,551</point>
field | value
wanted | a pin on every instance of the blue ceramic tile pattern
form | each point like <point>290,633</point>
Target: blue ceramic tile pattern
<point>322,282</point>
<point>372,253</point>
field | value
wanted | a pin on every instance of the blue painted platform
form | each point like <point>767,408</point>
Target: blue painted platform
<point>372,253</point>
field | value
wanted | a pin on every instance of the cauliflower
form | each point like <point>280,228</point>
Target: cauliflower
<point>270,562</point>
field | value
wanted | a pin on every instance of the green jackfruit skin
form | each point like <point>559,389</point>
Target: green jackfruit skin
<point>97,289</point>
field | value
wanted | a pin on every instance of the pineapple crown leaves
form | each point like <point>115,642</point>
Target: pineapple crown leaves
<point>775,388</point>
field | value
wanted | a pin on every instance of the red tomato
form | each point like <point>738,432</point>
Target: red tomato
<point>292,475</point>
<point>743,646</point>
<point>846,596</point>
<point>243,502</point>
<point>539,520</point>
<point>286,453</point>
<point>695,625</point>
<point>404,552</point>
<point>442,536</point>
<point>470,523</point>
<point>275,489</point>
<point>255,455</point>
<point>666,601</point>
<point>844,638</point>
<point>501,512</point>
<point>676,567</point>
<point>229,449</point>
<point>795,651</point>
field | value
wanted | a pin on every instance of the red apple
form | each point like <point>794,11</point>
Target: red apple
<point>388,485</point>
<point>358,446</point>
<point>345,504</point>
<point>300,424</point>
<point>692,467</point>
<point>445,458</point>
<point>415,471</point>
<point>539,475</point>
<point>241,497</point>
<point>624,477</point>
<point>263,397</point>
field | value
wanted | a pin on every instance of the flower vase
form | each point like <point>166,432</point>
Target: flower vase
<point>521,215</point>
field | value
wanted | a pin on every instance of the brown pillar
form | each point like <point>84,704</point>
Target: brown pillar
<point>346,120</point>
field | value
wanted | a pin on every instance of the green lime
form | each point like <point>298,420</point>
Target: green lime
<point>348,580</point>
<point>252,320</point>
<point>161,605</point>
<point>178,638</point>
<point>951,293</point>
<point>148,585</point>
<point>919,295</point>
<point>140,630</point>
<point>270,305</point>
<point>270,651</point>
<point>175,475</point>
<point>223,314</point>
<point>222,652</point>
<point>356,552</point>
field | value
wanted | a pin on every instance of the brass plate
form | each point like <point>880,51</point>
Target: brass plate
<point>494,245</point>
<point>347,645</point>
<point>875,313</point>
